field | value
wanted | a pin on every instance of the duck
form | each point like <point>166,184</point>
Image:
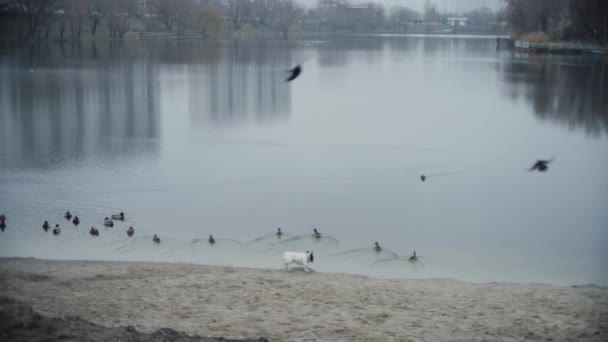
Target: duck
<point>541,165</point>
<point>414,257</point>
<point>130,231</point>
<point>94,231</point>
<point>211,239</point>
<point>46,226</point>
<point>68,215</point>
<point>120,216</point>
<point>316,234</point>
<point>2,217</point>
<point>2,225</point>
<point>377,247</point>
<point>108,223</point>
<point>279,232</point>
<point>76,221</point>
<point>423,178</point>
<point>156,239</point>
<point>57,230</point>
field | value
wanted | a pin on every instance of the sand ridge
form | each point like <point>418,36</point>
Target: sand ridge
<point>299,306</point>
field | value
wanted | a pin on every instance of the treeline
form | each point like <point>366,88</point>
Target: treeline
<point>74,19</point>
<point>585,20</point>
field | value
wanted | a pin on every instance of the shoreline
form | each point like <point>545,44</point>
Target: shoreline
<point>251,303</point>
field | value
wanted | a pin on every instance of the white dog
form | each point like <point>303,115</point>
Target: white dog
<point>298,258</point>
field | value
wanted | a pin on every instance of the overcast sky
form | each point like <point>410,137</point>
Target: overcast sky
<point>442,5</point>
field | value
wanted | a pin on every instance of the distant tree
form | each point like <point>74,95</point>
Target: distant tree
<point>187,15</point>
<point>536,15</point>
<point>430,12</point>
<point>166,12</point>
<point>96,12</point>
<point>239,11</point>
<point>35,12</point>
<point>210,20</point>
<point>589,20</point>
<point>286,11</point>
<point>399,16</point>
<point>118,13</point>
<point>481,16</point>
<point>376,17</point>
<point>263,12</point>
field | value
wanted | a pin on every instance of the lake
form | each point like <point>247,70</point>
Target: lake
<point>193,138</point>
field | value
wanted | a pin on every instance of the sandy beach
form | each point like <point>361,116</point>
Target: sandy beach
<point>298,306</point>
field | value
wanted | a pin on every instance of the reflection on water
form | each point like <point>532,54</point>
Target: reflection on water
<point>56,113</point>
<point>248,83</point>
<point>193,138</point>
<point>573,93</point>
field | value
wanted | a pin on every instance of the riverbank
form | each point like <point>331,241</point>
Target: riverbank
<point>296,306</point>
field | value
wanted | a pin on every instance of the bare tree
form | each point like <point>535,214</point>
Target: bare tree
<point>35,12</point>
<point>96,12</point>
<point>210,20</point>
<point>186,15</point>
<point>263,12</point>
<point>240,12</point>
<point>117,13</point>
<point>430,12</point>
<point>287,11</point>
<point>166,11</point>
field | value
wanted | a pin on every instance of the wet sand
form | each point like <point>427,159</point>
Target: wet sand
<point>298,306</point>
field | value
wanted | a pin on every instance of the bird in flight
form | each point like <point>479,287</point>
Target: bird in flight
<point>541,165</point>
<point>294,73</point>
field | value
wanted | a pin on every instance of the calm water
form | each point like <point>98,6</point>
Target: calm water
<point>191,139</point>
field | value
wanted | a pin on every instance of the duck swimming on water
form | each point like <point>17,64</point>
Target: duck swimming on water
<point>130,231</point>
<point>316,234</point>
<point>211,239</point>
<point>541,165</point>
<point>2,225</point>
<point>68,215</point>
<point>279,232</point>
<point>108,223</point>
<point>156,239</point>
<point>377,247</point>
<point>76,221</point>
<point>94,231</point>
<point>414,257</point>
<point>46,226</point>
<point>56,231</point>
<point>120,216</point>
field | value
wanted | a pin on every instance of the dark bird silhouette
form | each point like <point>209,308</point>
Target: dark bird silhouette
<point>211,239</point>
<point>316,234</point>
<point>46,226</point>
<point>377,247</point>
<point>94,231</point>
<point>423,178</point>
<point>541,165</point>
<point>156,239</point>
<point>279,232</point>
<point>294,73</point>
<point>414,257</point>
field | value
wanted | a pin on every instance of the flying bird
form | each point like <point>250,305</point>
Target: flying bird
<point>294,73</point>
<point>541,165</point>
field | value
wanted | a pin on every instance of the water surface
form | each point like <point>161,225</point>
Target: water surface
<point>193,138</point>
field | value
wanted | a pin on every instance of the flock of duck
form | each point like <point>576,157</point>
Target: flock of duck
<point>107,222</point>
<point>76,221</point>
